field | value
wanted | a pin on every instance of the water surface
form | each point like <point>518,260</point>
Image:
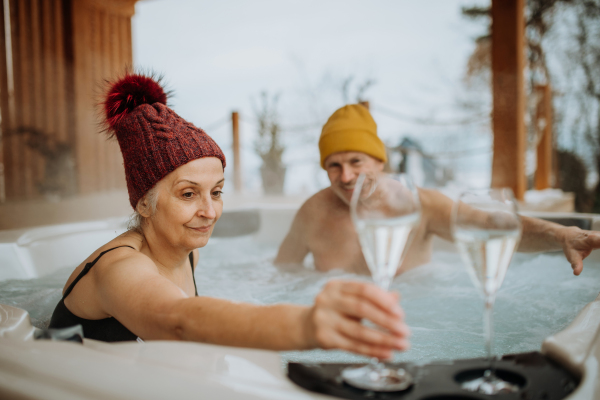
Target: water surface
<point>540,296</point>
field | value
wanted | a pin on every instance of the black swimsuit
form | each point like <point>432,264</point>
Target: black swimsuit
<point>106,329</point>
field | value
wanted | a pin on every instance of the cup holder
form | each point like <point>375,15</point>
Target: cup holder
<point>509,376</point>
<point>535,376</point>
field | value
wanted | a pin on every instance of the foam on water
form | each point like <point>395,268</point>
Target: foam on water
<point>37,296</point>
<point>539,297</point>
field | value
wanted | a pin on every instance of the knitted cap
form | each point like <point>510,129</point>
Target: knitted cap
<point>154,140</point>
<point>351,128</point>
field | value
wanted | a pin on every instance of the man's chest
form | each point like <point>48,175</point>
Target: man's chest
<point>334,244</point>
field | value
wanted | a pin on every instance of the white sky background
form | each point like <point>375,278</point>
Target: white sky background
<point>219,56</point>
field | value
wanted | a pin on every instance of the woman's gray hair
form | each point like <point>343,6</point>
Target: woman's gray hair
<point>136,221</point>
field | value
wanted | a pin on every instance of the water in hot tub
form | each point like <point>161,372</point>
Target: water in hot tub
<point>540,296</point>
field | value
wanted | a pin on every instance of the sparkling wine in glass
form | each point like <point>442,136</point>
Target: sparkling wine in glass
<point>385,210</point>
<point>487,230</point>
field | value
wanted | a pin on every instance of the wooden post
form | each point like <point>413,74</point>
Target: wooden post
<point>508,40</point>
<point>237,165</point>
<point>4,98</point>
<point>543,172</point>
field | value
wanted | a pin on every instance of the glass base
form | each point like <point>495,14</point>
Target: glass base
<point>489,384</point>
<point>377,378</point>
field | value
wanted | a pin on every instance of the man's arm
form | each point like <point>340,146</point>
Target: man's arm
<point>538,235</point>
<point>436,210</point>
<point>577,244</point>
<point>294,247</point>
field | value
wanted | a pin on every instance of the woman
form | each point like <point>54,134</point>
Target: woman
<point>141,284</point>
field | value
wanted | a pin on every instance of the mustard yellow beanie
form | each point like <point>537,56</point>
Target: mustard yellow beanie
<point>351,128</point>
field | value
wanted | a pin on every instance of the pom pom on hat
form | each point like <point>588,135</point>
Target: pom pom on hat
<point>125,94</point>
<point>154,140</point>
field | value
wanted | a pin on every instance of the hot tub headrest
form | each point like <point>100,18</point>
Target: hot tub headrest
<point>237,223</point>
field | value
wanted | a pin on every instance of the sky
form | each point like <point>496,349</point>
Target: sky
<point>218,57</point>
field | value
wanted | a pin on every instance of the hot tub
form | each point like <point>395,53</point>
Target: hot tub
<point>439,299</point>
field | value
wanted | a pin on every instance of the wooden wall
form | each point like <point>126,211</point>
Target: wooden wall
<point>55,56</point>
<point>103,49</point>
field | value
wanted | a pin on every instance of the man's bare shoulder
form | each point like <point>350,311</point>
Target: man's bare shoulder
<point>321,202</point>
<point>297,242</point>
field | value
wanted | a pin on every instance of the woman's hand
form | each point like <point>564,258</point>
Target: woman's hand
<point>334,322</point>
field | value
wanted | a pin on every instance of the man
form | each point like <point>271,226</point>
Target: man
<point>349,145</point>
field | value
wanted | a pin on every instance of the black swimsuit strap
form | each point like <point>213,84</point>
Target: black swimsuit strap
<point>193,277</point>
<point>86,269</point>
<point>89,265</point>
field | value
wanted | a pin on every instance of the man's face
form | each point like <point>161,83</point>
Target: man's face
<point>343,170</point>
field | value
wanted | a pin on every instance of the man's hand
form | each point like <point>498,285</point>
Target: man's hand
<point>577,245</point>
<point>335,319</point>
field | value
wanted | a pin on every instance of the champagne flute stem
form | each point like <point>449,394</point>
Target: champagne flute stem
<point>383,283</point>
<point>488,325</point>
<point>376,363</point>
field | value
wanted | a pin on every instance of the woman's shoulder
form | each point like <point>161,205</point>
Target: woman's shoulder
<point>124,249</point>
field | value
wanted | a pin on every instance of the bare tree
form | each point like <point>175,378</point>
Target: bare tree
<point>587,56</point>
<point>268,144</point>
<point>360,89</point>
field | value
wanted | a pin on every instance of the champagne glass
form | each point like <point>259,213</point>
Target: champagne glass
<point>487,229</point>
<point>385,210</point>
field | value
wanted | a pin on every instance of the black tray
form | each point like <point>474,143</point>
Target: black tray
<point>538,377</point>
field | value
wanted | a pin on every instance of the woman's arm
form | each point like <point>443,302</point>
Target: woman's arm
<point>154,308</point>
<point>333,322</point>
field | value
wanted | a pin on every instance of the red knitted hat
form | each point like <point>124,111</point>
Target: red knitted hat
<point>153,139</point>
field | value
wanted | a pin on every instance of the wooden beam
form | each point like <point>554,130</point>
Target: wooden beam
<point>237,165</point>
<point>24,74</point>
<point>4,102</point>
<point>37,90</point>
<point>508,40</point>
<point>10,141</point>
<point>543,172</point>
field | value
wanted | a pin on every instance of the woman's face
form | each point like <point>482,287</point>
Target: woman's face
<point>189,203</point>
